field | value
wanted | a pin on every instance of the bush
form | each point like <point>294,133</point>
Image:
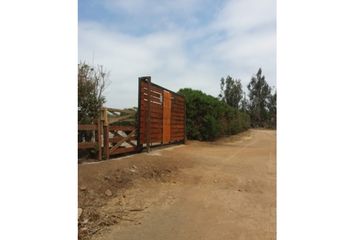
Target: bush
<point>209,118</point>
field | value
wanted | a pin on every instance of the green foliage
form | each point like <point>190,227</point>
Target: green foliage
<point>209,118</point>
<point>128,122</point>
<point>272,108</point>
<point>231,91</point>
<point>91,84</point>
<point>259,96</point>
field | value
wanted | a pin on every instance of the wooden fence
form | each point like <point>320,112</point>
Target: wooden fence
<point>90,137</point>
<point>160,119</point>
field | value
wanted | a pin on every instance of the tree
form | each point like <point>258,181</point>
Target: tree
<point>272,108</point>
<point>244,103</point>
<point>231,91</point>
<point>259,95</point>
<point>91,84</point>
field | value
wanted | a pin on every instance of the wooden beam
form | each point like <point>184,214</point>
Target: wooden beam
<point>122,141</point>
<point>87,127</point>
<point>121,110</point>
<point>121,128</point>
<point>118,119</point>
<point>124,150</point>
<point>85,145</point>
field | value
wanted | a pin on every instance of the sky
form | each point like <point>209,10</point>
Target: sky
<point>180,44</point>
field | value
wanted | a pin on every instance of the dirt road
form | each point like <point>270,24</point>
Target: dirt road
<point>220,190</point>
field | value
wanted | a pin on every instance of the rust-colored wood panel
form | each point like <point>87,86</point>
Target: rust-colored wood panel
<point>153,106</point>
<point>152,88</point>
<point>154,131</point>
<point>152,114</point>
<point>166,117</point>
<point>176,117</point>
<point>178,110</point>
<point>154,94</point>
<point>178,127</point>
<point>154,138</point>
<point>177,122</point>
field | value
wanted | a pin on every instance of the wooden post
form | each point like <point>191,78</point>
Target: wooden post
<point>105,132</point>
<point>148,140</point>
<point>137,124</point>
<point>185,121</point>
<point>99,139</point>
<point>106,141</point>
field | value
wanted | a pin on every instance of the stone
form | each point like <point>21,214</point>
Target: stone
<point>83,188</point>
<point>108,192</point>
<point>79,213</point>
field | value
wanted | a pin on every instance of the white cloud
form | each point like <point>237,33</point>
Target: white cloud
<point>238,16</point>
<point>178,57</point>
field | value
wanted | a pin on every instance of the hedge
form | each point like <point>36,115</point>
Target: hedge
<point>209,118</point>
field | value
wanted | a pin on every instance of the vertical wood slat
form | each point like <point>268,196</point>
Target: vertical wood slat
<point>99,139</point>
<point>166,123</point>
<point>148,140</point>
<point>138,143</point>
<point>106,141</point>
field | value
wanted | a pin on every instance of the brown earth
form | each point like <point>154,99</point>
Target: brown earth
<point>220,190</point>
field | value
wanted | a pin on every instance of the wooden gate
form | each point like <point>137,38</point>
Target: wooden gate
<point>119,131</point>
<point>159,119</point>
<point>162,117</point>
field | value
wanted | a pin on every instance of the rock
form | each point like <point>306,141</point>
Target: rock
<point>108,192</point>
<point>135,167</point>
<point>84,230</point>
<point>79,213</point>
<point>83,188</point>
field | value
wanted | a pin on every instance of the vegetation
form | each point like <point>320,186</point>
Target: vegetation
<point>91,84</point>
<point>232,112</point>
<point>231,91</point>
<point>209,118</point>
<point>262,103</point>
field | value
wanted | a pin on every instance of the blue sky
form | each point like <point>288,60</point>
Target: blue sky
<point>182,43</point>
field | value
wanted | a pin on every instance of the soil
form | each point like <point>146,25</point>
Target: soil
<point>202,190</point>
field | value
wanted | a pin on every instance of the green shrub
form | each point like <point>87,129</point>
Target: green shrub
<point>209,118</point>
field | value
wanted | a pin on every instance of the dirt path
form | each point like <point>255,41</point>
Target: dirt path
<point>221,190</point>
